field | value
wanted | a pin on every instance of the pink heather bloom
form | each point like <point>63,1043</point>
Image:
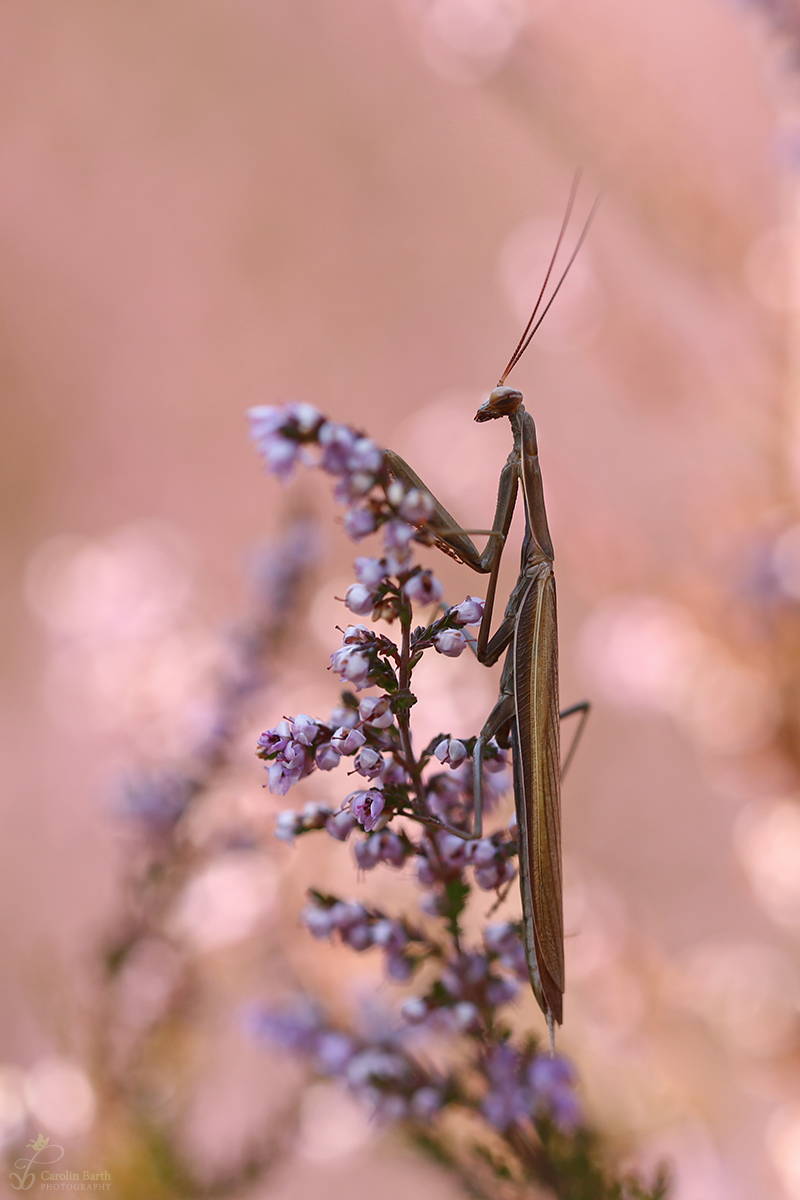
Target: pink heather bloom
<point>359,521</point>
<point>326,757</point>
<point>415,1010</point>
<point>376,711</point>
<point>359,599</point>
<point>368,762</point>
<point>423,588</point>
<point>367,807</point>
<point>336,443</point>
<point>450,642</point>
<point>451,752</point>
<point>365,456</point>
<point>417,506</point>
<point>304,729</point>
<point>351,665</point>
<point>347,741</point>
<point>470,611</point>
<point>397,534</point>
<point>273,741</point>
<point>287,825</point>
<point>370,571</point>
<point>340,825</point>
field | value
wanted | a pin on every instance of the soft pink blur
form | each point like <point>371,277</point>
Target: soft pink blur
<point>208,206</point>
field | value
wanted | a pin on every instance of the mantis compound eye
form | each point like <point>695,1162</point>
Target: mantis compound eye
<point>501,403</point>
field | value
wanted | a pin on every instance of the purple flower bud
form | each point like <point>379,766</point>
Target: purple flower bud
<point>376,711</point>
<point>494,765</point>
<point>348,912</point>
<point>294,1028</point>
<point>483,852</point>
<point>278,452</point>
<point>357,635</point>
<point>500,991</point>
<point>368,762</point>
<point>365,456</point>
<point>547,1075</point>
<point>389,934</point>
<point>347,741</point>
<point>334,1051</point>
<point>398,967</point>
<point>326,757</point>
<point>367,807</point>
<point>273,741</point>
<point>318,921</point>
<point>341,824</point>
<point>351,665</point>
<point>358,937</point>
<point>304,729</point>
<point>303,417</point>
<point>359,521</point>
<point>450,642</point>
<point>370,571</point>
<point>287,825</point>
<point>427,876</point>
<point>359,599</point>
<point>417,506</point>
<point>465,1015</point>
<point>390,848</point>
<point>315,814</point>
<point>451,751</point>
<point>469,611</point>
<point>282,776</point>
<point>415,1010</point>
<point>426,1103</point>
<point>453,850</point>
<point>397,534</point>
<point>423,588</point>
<point>336,443</point>
<point>367,852</point>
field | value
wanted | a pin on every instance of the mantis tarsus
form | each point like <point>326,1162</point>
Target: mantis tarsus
<point>526,715</point>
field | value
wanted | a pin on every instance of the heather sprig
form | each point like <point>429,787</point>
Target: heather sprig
<point>461,990</point>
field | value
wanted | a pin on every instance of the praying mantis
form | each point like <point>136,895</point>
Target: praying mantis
<point>526,715</point>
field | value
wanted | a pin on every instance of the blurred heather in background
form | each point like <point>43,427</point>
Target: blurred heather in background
<point>208,207</point>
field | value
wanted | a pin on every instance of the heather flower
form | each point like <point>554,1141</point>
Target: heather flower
<point>450,642</point>
<point>416,506</point>
<point>415,1010</point>
<point>423,588</point>
<point>359,521</point>
<point>305,729</point>
<point>370,571</point>
<point>287,825</point>
<point>326,756</point>
<point>376,711</point>
<point>451,752</point>
<point>341,824</point>
<point>553,1083</point>
<point>469,611</point>
<point>368,761</point>
<point>351,665</point>
<point>396,535</point>
<point>359,599</point>
<point>347,741</point>
<point>367,807</point>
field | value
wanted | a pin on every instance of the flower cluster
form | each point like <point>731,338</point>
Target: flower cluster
<point>380,1072</point>
<point>460,990</point>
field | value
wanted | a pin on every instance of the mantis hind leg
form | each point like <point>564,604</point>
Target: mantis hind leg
<point>497,725</point>
<point>584,708</point>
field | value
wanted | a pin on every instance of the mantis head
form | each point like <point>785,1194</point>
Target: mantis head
<point>501,403</point>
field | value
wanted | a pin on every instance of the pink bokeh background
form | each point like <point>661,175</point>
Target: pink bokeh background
<point>204,207</point>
